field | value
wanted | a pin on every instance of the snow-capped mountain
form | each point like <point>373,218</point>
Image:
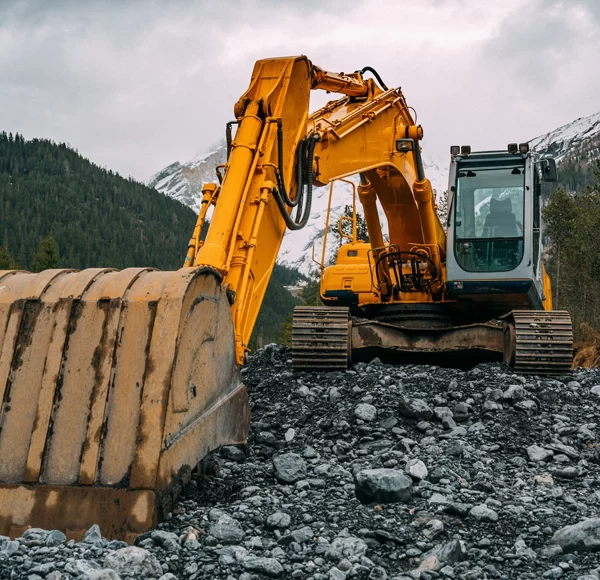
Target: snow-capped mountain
<point>184,181</point>
<point>578,141</point>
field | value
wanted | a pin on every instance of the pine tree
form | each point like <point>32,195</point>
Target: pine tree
<point>311,293</point>
<point>286,332</point>
<point>362,234</point>
<point>96,217</point>
<point>560,216</point>
<point>7,262</point>
<point>47,256</point>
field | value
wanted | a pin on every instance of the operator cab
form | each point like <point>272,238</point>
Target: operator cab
<point>494,226</point>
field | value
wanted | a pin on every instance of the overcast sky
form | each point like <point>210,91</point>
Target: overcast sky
<point>136,85</point>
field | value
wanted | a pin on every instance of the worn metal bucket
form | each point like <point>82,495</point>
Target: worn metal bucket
<point>114,385</point>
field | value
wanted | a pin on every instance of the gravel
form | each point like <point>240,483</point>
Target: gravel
<point>379,472</point>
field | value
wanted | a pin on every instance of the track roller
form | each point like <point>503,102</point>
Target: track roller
<point>539,342</point>
<point>321,338</point>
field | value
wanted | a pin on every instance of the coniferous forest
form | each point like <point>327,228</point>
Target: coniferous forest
<point>97,217</point>
<point>57,209</point>
<point>573,261</point>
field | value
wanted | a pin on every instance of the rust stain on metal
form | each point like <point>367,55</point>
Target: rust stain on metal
<point>369,336</point>
<point>30,314</point>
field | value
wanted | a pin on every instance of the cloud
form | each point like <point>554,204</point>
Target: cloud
<point>139,84</point>
<point>543,55</point>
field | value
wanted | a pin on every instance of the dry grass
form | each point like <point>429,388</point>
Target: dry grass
<point>587,350</point>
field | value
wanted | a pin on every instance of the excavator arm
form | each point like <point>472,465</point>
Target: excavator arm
<point>377,137</point>
<point>280,151</point>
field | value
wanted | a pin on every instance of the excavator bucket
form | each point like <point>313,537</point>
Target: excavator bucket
<point>114,386</point>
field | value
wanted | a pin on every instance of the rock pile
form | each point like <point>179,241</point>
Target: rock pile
<point>375,473</point>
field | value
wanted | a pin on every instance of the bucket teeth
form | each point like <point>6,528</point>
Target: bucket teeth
<point>114,385</point>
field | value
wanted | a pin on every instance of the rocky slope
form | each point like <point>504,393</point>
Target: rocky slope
<point>376,473</point>
<point>576,146</point>
<point>576,141</point>
<point>184,181</point>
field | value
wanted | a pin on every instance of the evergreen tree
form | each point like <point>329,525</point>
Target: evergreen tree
<point>362,234</point>
<point>441,201</point>
<point>47,256</point>
<point>286,332</point>
<point>573,222</point>
<point>7,262</point>
<point>560,217</point>
<point>97,217</point>
<point>277,306</point>
<point>311,293</point>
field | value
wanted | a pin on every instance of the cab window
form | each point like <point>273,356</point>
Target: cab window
<point>489,213</point>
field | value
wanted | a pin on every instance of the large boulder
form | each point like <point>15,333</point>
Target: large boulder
<point>226,530</point>
<point>581,537</point>
<point>538,454</point>
<point>443,554</point>
<point>168,541</point>
<point>233,453</point>
<point>416,469</point>
<point>365,412</point>
<point>382,485</point>
<point>348,547</point>
<point>134,561</point>
<point>93,535</point>
<point>483,513</point>
<point>279,520</point>
<point>415,409</point>
<point>289,467</point>
<point>269,566</point>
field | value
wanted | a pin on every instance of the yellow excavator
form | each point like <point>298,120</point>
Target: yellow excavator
<point>116,384</point>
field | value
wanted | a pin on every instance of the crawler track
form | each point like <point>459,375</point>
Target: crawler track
<point>320,338</point>
<point>542,342</point>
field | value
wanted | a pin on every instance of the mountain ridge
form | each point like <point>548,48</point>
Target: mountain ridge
<point>571,140</point>
<point>576,148</point>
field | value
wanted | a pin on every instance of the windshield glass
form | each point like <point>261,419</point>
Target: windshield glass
<point>489,214</point>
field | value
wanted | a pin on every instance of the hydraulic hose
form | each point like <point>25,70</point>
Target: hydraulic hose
<point>280,183</point>
<point>228,135</point>
<point>308,147</point>
<point>375,74</point>
<point>301,170</point>
<point>418,160</point>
